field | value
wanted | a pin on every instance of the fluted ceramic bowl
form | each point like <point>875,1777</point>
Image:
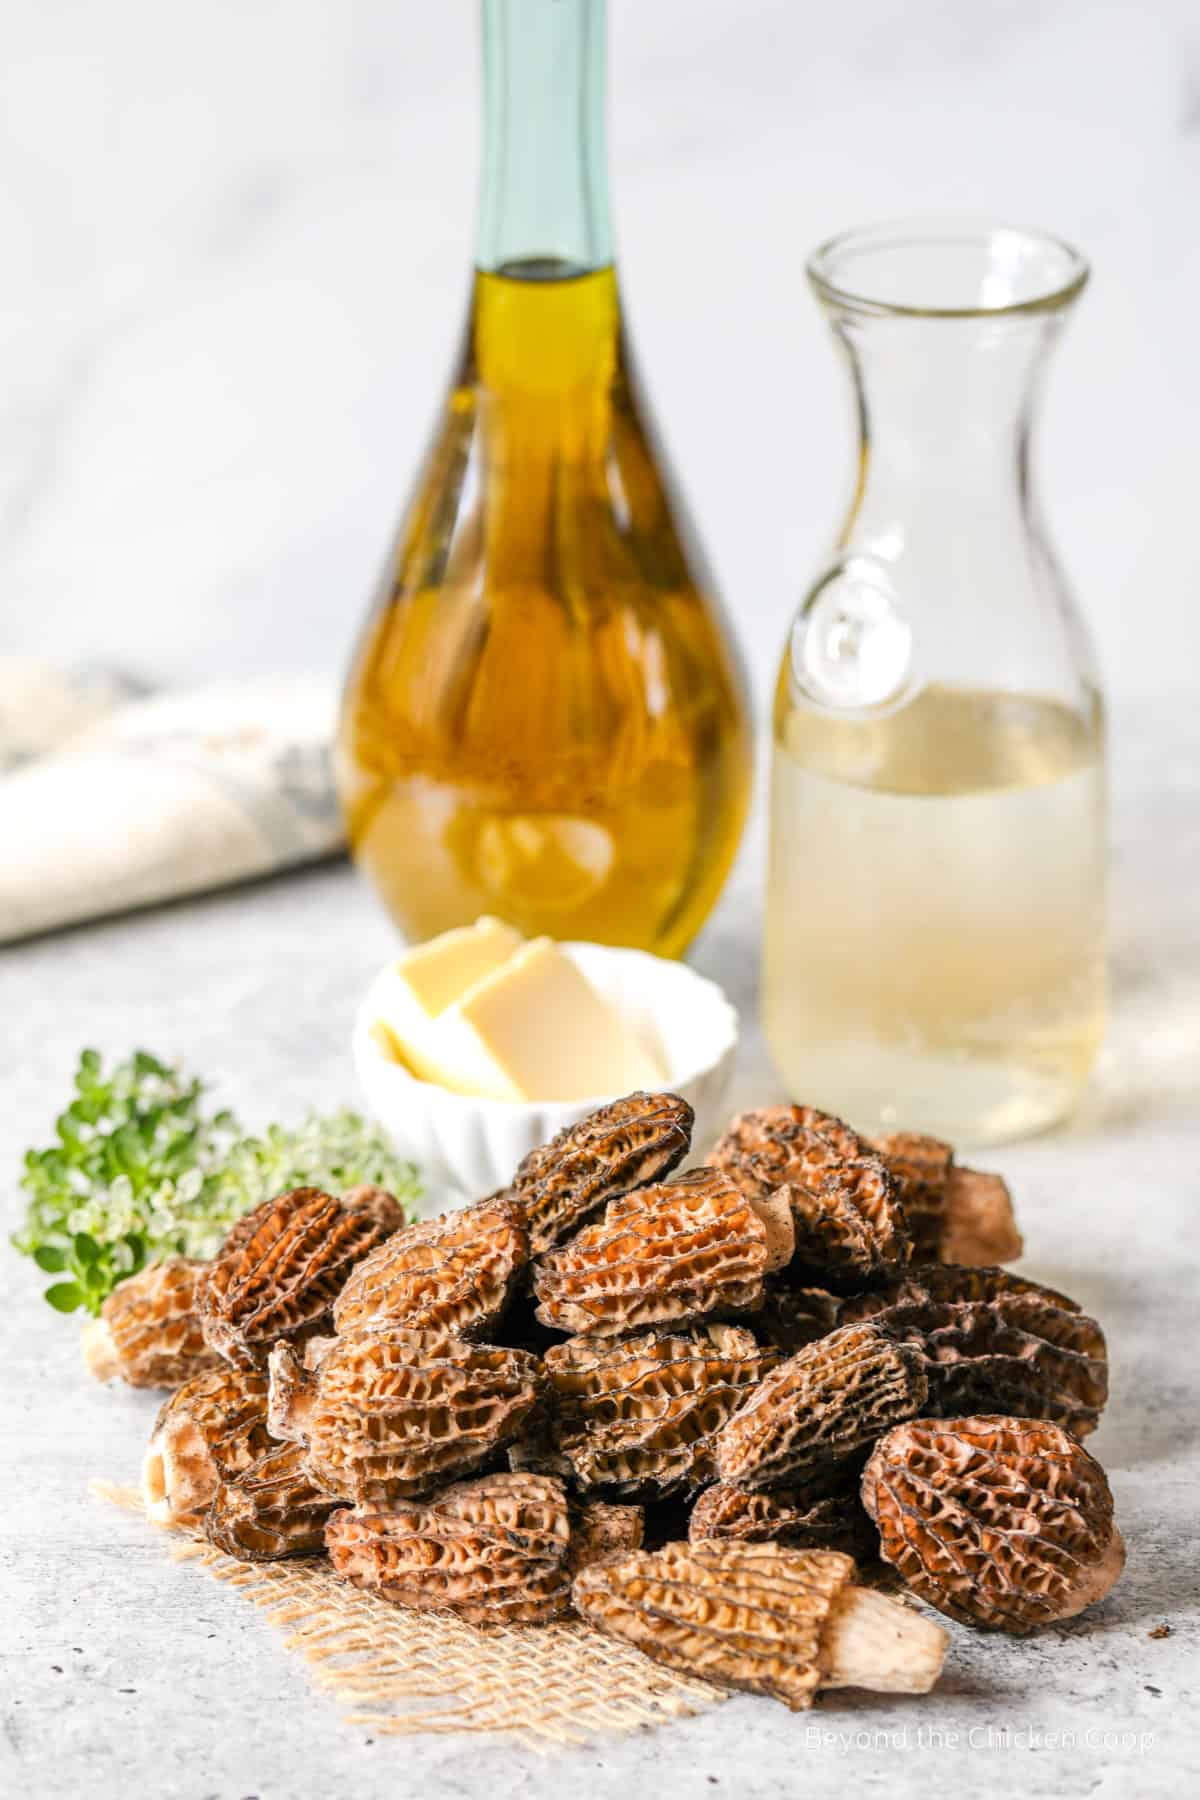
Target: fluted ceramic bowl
<point>466,1147</point>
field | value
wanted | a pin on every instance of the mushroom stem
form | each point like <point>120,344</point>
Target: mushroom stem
<point>869,1641</point>
<point>1096,1583</point>
<point>99,1351</point>
<point>774,1214</point>
<point>179,1476</point>
<point>979,1226</point>
<point>291,1394</point>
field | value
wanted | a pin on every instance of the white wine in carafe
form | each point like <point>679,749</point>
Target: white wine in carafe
<point>935,947</point>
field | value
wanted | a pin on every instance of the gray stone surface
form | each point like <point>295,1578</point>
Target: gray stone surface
<point>127,1675</point>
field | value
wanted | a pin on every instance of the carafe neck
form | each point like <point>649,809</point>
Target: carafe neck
<point>946,406</point>
<point>544,211</point>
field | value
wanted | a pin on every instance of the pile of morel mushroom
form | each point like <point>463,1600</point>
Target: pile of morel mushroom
<point>687,1407</point>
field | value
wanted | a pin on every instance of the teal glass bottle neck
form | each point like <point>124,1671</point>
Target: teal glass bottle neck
<point>544,212</point>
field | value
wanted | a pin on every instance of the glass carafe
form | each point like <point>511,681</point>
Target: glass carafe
<point>544,719</point>
<point>935,932</point>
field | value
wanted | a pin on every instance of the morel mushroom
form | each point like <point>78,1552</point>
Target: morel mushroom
<point>497,1551</point>
<point>757,1617</point>
<point>1015,1354</point>
<point>673,1253</point>
<point>378,1204</point>
<point>454,1273</point>
<point>819,1407</point>
<point>270,1511</point>
<point>822,1515</point>
<point>849,1222</point>
<point>995,1343</point>
<point>279,1272</point>
<point>926,1283</point>
<point>1006,1523</point>
<point>628,1144</point>
<point>637,1416</point>
<point>955,1214</point>
<point>210,1431</point>
<point>921,1168</point>
<point>388,1413</point>
<point>149,1332</point>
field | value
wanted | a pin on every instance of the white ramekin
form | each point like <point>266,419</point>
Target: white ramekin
<point>466,1147</point>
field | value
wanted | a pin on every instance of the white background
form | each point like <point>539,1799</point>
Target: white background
<point>235,239</point>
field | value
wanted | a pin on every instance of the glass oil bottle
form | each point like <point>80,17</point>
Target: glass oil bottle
<point>935,932</point>
<point>545,718</point>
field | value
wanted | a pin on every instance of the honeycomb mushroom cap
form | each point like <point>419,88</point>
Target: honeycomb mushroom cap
<point>637,1415</point>
<point>149,1332</point>
<point>639,1139</point>
<point>819,1407</point>
<point>389,1413</point>
<point>760,1618</point>
<point>673,1253</point>
<point>744,1616</point>
<point>845,1140</point>
<point>378,1203</point>
<point>1001,1522</point>
<point>494,1550</point>
<point>994,1342</point>
<point>280,1271</point>
<point>272,1510</point>
<point>823,1515</point>
<point>925,1282</point>
<point>454,1273</point>
<point>849,1222</point>
<point>920,1166</point>
<point>1016,1354</point>
<point>212,1429</point>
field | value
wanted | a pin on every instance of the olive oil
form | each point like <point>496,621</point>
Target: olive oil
<point>935,944</point>
<point>544,719</point>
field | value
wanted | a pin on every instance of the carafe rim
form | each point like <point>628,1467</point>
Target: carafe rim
<point>1015,270</point>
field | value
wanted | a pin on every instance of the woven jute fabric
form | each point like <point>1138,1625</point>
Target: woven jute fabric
<point>405,1672</point>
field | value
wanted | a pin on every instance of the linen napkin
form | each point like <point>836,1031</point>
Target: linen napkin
<point>111,798</point>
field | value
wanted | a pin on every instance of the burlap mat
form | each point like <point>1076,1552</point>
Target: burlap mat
<point>407,1672</point>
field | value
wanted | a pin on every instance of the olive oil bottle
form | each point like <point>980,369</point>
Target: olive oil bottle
<point>545,718</point>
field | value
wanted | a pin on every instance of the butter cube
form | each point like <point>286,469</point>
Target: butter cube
<point>545,1030</point>
<point>424,983</point>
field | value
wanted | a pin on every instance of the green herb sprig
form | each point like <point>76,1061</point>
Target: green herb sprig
<point>140,1170</point>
